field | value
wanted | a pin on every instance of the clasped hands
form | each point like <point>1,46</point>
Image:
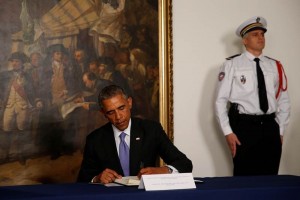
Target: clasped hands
<point>109,175</point>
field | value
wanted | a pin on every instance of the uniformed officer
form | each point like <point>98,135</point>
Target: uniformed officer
<point>256,88</point>
<point>18,98</point>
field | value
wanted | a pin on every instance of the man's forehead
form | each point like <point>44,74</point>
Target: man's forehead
<point>115,101</point>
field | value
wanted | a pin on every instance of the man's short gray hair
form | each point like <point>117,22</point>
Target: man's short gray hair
<point>109,92</point>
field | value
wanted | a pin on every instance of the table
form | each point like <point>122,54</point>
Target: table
<point>252,187</point>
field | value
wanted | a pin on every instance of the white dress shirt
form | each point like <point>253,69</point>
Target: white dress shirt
<point>117,133</point>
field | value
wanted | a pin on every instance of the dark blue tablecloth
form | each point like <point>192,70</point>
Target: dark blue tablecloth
<point>254,187</point>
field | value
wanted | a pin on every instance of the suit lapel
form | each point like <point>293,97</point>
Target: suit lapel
<point>111,145</point>
<point>136,141</point>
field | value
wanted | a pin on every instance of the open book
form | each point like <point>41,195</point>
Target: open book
<point>69,105</point>
<point>128,181</point>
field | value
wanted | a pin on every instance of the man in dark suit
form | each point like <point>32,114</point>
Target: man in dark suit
<point>146,140</point>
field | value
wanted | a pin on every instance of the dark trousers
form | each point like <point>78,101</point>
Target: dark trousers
<point>260,149</point>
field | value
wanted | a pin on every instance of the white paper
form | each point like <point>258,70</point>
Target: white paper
<point>128,181</point>
<point>69,107</point>
<point>167,182</point>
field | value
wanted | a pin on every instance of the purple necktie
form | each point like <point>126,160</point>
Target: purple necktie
<point>124,154</point>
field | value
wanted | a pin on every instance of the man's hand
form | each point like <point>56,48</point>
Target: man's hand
<point>86,106</point>
<point>232,141</point>
<point>107,176</point>
<point>153,170</point>
<point>78,100</point>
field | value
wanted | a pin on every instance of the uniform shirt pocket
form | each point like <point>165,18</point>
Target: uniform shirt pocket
<point>243,83</point>
<point>271,79</point>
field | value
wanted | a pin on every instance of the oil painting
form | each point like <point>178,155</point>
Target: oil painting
<point>55,57</point>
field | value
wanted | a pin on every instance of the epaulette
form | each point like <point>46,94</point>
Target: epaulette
<point>229,58</point>
<point>271,58</point>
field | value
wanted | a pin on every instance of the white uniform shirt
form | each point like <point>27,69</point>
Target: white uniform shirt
<point>238,84</point>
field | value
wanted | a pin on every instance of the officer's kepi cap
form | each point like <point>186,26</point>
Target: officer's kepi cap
<point>254,23</point>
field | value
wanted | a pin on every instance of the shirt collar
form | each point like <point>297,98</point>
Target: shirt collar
<point>251,56</point>
<point>117,132</point>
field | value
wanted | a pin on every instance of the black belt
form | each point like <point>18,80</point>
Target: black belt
<point>266,117</point>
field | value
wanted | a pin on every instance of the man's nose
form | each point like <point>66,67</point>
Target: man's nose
<point>118,115</point>
<point>261,36</point>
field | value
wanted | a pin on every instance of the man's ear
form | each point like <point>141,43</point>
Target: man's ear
<point>102,111</point>
<point>129,100</point>
<point>244,41</point>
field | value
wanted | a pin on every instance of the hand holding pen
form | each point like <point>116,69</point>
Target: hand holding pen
<point>152,170</point>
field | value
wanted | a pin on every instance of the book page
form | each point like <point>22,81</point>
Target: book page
<point>69,107</point>
<point>128,181</point>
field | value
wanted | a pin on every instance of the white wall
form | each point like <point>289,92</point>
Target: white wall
<point>203,36</point>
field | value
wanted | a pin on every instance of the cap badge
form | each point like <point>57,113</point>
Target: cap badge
<point>258,19</point>
<point>243,79</point>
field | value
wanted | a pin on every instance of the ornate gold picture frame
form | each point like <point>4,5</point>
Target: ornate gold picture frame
<point>166,66</point>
